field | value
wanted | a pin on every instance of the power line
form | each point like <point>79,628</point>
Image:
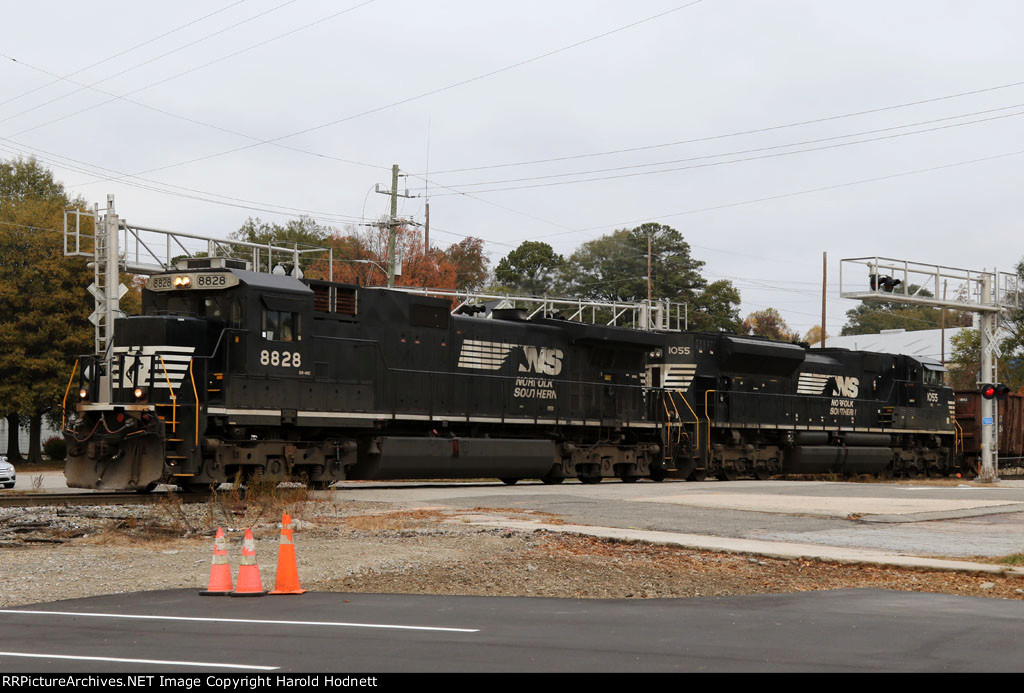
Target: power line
<point>738,133</point>
<point>190,120</point>
<point>155,186</point>
<point>746,159</point>
<point>422,95</point>
<point>119,54</point>
<point>782,196</point>
<point>194,69</point>
<point>146,62</point>
<point>757,149</point>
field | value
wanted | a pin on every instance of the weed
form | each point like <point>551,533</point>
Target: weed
<point>258,497</point>
<point>1012,559</point>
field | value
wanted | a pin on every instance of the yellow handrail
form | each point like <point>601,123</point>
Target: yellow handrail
<point>64,402</point>
<point>696,420</point>
<point>174,398</point>
<point>192,377</point>
<point>958,437</point>
<point>668,417</point>
<point>706,393</point>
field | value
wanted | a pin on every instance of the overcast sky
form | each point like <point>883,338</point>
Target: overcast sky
<point>482,85</point>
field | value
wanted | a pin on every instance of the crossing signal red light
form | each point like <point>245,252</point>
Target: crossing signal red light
<point>999,391</point>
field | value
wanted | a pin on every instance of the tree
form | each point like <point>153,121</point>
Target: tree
<point>814,335</point>
<point>614,268</point>
<point>532,268</point>
<point>769,323</point>
<point>304,232</point>
<point>965,362</point>
<point>44,306</point>
<point>873,317</point>
<point>361,257</point>
<point>470,263</point>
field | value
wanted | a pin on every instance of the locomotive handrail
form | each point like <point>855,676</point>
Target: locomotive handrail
<point>696,419</point>
<point>958,437</point>
<point>174,398</point>
<point>64,402</point>
<point>706,416</point>
<point>196,393</point>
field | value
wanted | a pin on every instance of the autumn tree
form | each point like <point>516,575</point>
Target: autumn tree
<point>470,263</point>
<point>361,257</point>
<point>769,323</point>
<point>44,306</point>
<point>814,335</point>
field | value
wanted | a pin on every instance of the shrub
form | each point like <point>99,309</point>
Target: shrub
<point>55,448</point>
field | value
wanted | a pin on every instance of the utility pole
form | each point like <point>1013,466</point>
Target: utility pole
<point>648,265</point>
<point>426,230</point>
<point>393,221</point>
<point>393,225</point>
<point>824,288</point>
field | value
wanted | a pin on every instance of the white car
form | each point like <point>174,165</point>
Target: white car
<point>6,472</point>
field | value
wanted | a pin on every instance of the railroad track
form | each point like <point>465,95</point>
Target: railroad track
<point>15,500</point>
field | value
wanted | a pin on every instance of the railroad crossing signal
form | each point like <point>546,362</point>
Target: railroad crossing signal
<point>999,391</point>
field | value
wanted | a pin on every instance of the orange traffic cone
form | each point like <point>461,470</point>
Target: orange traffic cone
<point>287,581</point>
<point>249,582</point>
<point>220,571</point>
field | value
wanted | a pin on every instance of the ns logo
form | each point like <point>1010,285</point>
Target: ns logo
<point>846,387</point>
<point>542,360</point>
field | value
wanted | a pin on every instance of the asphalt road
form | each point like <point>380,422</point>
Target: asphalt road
<point>847,630</point>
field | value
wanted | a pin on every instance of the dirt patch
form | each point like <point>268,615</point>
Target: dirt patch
<point>51,553</point>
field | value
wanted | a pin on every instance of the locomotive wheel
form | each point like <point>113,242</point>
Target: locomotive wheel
<point>509,481</point>
<point>629,478</point>
<point>589,478</point>
<point>149,487</point>
<point>762,474</point>
<point>728,474</point>
<point>697,475</point>
<point>658,474</point>
<point>552,479</point>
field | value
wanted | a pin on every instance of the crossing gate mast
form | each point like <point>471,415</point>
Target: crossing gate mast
<point>989,294</point>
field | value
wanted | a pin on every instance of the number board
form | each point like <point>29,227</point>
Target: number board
<point>196,281</point>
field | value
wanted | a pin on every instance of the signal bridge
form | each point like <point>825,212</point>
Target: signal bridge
<point>988,293</point>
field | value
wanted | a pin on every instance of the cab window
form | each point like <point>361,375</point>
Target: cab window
<point>281,326</point>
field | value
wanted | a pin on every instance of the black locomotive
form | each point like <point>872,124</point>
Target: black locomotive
<point>230,374</point>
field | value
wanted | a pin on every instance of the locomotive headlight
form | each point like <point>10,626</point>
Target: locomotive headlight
<point>182,282</point>
<point>140,393</point>
<point>83,393</point>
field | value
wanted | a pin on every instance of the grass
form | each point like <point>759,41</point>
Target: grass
<point>1012,559</point>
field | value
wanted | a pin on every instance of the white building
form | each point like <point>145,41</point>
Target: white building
<point>924,343</point>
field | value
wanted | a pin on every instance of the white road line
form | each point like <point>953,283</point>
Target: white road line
<point>140,661</point>
<point>242,620</point>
